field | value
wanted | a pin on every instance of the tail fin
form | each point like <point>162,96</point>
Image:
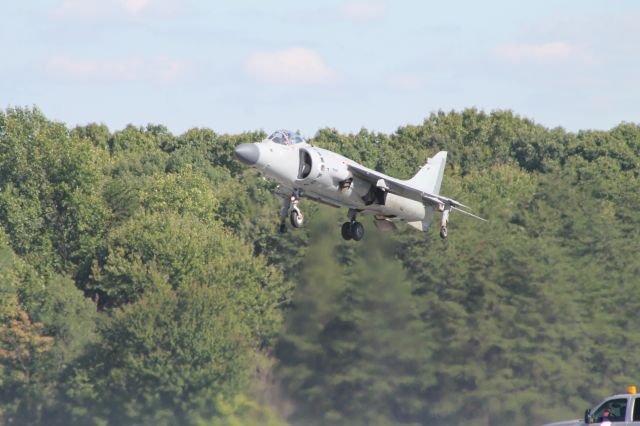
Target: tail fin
<point>429,177</point>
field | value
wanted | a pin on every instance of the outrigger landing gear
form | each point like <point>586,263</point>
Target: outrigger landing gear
<point>352,230</point>
<point>290,208</point>
<point>444,220</point>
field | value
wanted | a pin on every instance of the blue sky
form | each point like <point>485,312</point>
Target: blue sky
<point>248,65</point>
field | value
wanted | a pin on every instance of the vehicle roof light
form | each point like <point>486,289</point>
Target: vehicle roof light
<point>632,389</point>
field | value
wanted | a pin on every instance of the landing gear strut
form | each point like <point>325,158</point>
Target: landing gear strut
<point>443,221</point>
<point>290,208</point>
<point>284,212</point>
<point>352,230</point>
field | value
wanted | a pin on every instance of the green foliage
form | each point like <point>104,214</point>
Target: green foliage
<point>23,349</point>
<point>354,352</point>
<point>522,320</point>
<point>516,314</point>
<point>184,192</point>
<point>183,250</point>
<point>136,139</point>
<point>50,187</point>
<point>45,323</point>
<point>164,359</point>
<point>217,149</point>
<point>241,411</point>
<point>98,134</point>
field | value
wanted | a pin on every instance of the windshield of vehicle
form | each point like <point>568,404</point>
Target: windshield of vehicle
<point>286,137</point>
<point>613,410</point>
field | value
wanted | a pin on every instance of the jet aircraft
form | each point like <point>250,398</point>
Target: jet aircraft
<point>306,171</point>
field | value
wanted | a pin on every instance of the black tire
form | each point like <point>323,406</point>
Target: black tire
<point>357,231</point>
<point>443,232</point>
<point>282,228</point>
<point>297,219</point>
<point>346,231</point>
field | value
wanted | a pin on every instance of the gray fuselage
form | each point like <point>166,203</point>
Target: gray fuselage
<point>322,175</point>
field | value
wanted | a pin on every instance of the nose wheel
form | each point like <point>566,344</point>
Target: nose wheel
<point>290,208</point>
<point>296,217</point>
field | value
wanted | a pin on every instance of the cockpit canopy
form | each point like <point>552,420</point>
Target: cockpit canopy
<point>286,137</point>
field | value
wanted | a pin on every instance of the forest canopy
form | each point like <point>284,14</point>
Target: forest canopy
<point>142,280</point>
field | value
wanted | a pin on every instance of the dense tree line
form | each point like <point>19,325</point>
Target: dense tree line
<point>142,280</point>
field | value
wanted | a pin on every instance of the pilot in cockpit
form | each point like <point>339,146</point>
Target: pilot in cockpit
<point>286,137</point>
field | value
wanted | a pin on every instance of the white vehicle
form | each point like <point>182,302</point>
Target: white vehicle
<point>306,171</point>
<point>616,410</point>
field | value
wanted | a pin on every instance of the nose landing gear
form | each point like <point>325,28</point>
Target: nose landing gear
<point>290,208</point>
<point>296,216</point>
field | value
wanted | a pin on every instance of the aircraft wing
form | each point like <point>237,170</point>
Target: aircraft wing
<point>400,188</point>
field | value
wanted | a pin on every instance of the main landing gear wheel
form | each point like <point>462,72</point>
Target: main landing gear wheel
<point>357,231</point>
<point>282,228</point>
<point>346,231</point>
<point>297,218</point>
<point>352,231</point>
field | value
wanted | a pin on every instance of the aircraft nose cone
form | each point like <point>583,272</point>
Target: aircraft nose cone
<point>248,153</point>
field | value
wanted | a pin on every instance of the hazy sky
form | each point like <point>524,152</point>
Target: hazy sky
<point>248,65</point>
